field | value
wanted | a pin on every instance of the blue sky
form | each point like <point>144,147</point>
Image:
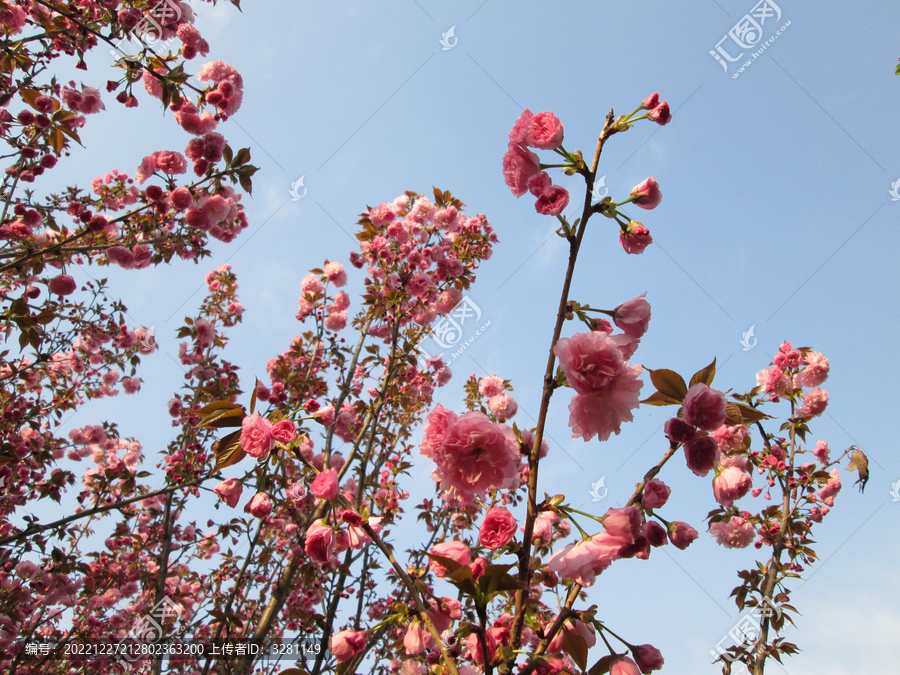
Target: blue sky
<point>776,214</point>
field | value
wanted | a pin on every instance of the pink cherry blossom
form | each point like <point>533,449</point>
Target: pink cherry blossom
<point>646,194</point>
<point>660,114</point>
<point>539,183</point>
<point>335,273</point>
<point>602,414</point>
<point>454,550</point>
<point>622,665</point>
<point>259,506</point>
<point>679,431</point>
<point>498,528</point>
<point>656,494</point>
<point>490,386</point>
<point>517,135</point>
<point>475,456</point>
<point>734,533</point>
<point>62,284</point>
<point>704,407</point>
<point>635,238</point>
<point>681,534</point>
<point>701,453</point>
<point>552,201</point>
<point>256,436</point>
<point>648,658</point>
<point>284,431</point>
<point>229,491</point>
<point>633,316</point>
<point>821,452</point>
<point>503,406</point>
<point>544,131</point>
<point>773,381</point>
<point>814,403</point>
<point>347,644</point>
<point>650,102</point>
<point>730,485</point>
<point>325,486</point>
<point>319,544</point>
<point>586,559</point>
<point>816,371</point>
<point>519,165</point>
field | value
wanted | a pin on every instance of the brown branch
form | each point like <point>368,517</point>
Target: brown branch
<point>549,385</point>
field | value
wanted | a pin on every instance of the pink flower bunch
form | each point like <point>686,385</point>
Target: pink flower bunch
<point>193,42</point>
<point>205,151</point>
<point>522,168</point>
<point>584,560</point>
<point>814,403</point>
<point>416,256</point>
<point>595,365</point>
<point>166,161</point>
<point>229,90</point>
<point>86,101</point>
<point>815,372</point>
<point>472,454</point>
<point>736,532</point>
<point>187,115</point>
<point>658,111</point>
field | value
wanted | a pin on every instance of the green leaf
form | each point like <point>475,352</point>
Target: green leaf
<point>669,383</point>
<point>705,375</point>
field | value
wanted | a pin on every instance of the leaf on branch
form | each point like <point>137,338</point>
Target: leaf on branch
<point>738,413</point>
<point>704,375</point>
<point>253,396</point>
<point>576,646</point>
<point>602,666</point>
<point>223,417</point>
<point>227,450</point>
<point>660,399</point>
<point>496,579</point>
<point>669,383</point>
